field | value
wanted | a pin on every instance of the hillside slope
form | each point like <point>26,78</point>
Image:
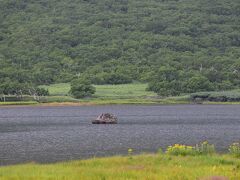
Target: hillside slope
<point>49,41</point>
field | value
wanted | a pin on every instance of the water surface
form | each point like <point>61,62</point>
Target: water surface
<point>50,134</point>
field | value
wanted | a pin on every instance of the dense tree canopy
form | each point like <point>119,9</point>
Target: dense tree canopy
<point>118,41</point>
<point>81,88</point>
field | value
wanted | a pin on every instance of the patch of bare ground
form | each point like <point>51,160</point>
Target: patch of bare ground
<point>214,178</point>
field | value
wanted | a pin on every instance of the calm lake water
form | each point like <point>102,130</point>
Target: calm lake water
<point>50,134</point>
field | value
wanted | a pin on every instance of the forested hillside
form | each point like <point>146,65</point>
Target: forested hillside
<point>174,45</point>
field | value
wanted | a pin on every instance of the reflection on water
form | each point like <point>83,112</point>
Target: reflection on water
<point>49,134</point>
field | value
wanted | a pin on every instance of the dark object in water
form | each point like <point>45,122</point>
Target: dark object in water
<point>105,118</point>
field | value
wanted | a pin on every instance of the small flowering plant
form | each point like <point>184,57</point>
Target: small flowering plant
<point>234,149</point>
<point>203,148</point>
<point>130,151</point>
<point>179,149</point>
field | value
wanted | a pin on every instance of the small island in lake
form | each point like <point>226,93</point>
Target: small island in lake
<point>105,118</point>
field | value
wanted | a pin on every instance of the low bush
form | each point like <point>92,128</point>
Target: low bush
<point>203,148</point>
<point>13,98</point>
<point>225,96</point>
<point>234,149</point>
<point>182,150</point>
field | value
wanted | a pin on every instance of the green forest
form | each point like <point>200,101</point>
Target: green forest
<point>176,46</point>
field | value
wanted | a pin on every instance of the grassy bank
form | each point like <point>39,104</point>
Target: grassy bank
<point>126,94</point>
<point>148,166</point>
<point>113,94</point>
<point>222,96</point>
<point>65,100</point>
<point>18,103</point>
<point>136,94</point>
<point>111,91</point>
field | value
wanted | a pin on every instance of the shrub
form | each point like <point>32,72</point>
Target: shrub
<point>117,78</point>
<point>217,96</point>
<point>42,92</point>
<point>182,150</point>
<point>199,83</point>
<point>234,149</point>
<point>165,88</point>
<point>200,149</point>
<point>81,88</point>
<point>205,148</point>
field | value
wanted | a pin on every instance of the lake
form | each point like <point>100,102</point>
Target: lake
<point>50,134</point>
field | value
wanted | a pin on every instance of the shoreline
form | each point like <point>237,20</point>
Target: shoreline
<point>110,102</point>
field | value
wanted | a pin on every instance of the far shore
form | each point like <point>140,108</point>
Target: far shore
<point>131,94</point>
<point>110,102</point>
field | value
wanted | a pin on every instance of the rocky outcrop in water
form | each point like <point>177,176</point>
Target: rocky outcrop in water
<point>105,118</point>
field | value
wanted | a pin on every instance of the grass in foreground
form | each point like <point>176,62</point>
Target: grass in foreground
<point>178,162</point>
<point>158,166</point>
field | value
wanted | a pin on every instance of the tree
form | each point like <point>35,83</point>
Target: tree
<point>12,88</point>
<point>113,50</point>
<point>166,82</point>
<point>224,85</point>
<point>117,78</point>
<point>165,88</point>
<point>42,92</point>
<point>82,88</point>
<point>198,83</point>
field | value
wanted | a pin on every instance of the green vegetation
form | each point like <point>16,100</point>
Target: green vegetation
<point>138,167</point>
<point>124,94</point>
<point>105,94</point>
<point>200,149</point>
<point>61,89</point>
<point>135,90</point>
<point>19,103</point>
<point>81,88</point>
<point>224,96</point>
<point>178,163</point>
<point>234,150</point>
<point>113,91</point>
<point>58,99</point>
<point>109,94</point>
<point>112,94</point>
<point>19,89</point>
<point>137,94</point>
<point>175,46</point>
